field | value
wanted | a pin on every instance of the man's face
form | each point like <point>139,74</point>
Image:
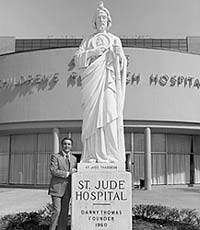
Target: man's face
<point>101,21</point>
<point>67,146</point>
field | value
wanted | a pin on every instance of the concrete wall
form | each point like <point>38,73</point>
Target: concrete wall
<point>176,94</point>
<point>193,44</point>
<point>7,45</point>
<point>42,86</point>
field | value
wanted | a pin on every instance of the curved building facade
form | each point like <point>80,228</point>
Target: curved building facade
<point>40,102</point>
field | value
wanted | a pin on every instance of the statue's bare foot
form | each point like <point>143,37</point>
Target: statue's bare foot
<point>92,161</point>
<point>103,161</point>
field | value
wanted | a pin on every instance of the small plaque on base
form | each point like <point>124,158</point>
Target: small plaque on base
<point>106,167</point>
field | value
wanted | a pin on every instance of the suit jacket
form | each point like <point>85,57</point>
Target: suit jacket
<point>60,177</point>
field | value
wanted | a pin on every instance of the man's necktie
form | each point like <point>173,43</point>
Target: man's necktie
<point>67,160</point>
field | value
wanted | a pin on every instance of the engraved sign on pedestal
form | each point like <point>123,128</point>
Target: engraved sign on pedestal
<point>101,198</point>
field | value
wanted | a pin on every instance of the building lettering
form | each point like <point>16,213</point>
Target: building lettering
<point>74,80</point>
<point>162,80</point>
<point>175,80</point>
<point>29,79</point>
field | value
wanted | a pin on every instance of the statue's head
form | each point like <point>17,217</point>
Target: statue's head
<point>102,18</point>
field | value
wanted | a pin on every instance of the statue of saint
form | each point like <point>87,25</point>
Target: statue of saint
<point>102,64</point>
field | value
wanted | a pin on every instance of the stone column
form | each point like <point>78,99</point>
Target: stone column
<point>55,140</point>
<point>147,158</point>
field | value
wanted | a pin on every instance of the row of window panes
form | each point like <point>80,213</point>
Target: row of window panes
<point>37,148</point>
<point>23,44</point>
<point>45,43</point>
<point>48,41</point>
<point>175,143</point>
<point>179,44</point>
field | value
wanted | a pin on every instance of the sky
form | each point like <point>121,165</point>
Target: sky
<point>73,18</point>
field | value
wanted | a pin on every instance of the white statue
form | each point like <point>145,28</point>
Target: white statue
<point>102,64</point>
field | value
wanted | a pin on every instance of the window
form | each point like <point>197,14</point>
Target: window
<point>4,159</point>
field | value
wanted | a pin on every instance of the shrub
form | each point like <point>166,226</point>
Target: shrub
<point>31,221</point>
<point>183,219</point>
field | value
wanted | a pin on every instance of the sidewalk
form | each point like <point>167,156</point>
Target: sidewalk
<point>14,200</point>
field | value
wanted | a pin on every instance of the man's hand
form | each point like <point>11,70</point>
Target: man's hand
<point>73,170</point>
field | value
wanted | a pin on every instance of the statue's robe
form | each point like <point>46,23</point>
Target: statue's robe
<point>103,94</point>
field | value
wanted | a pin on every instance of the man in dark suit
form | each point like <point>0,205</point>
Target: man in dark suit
<point>62,165</point>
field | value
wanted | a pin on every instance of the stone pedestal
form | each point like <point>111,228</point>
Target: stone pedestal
<point>101,197</point>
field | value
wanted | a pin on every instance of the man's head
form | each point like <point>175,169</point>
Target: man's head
<point>102,19</point>
<point>66,144</point>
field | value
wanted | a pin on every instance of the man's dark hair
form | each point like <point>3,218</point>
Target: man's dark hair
<point>67,138</point>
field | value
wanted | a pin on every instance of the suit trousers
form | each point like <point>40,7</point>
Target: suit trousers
<point>59,216</point>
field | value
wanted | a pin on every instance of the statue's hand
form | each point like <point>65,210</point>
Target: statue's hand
<point>96,52</point>
<point>118,50</point>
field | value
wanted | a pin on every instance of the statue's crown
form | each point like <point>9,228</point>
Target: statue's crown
<point>101,6</point>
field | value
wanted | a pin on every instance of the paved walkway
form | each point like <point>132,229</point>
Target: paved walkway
<point>14,200</point>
